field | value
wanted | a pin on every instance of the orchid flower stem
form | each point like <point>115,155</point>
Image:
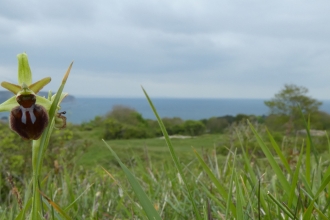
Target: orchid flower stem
<point>36,172</point>
<point>38,151</point>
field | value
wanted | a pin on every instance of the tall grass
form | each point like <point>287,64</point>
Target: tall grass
<point>281,191</point>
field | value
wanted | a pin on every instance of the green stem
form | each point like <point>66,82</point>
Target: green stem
<point>36,203</point>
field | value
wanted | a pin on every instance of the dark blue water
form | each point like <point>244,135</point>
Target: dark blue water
<point>85,109</point>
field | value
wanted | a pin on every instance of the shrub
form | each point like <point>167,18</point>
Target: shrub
<point>124,122</point>
<point>130,131</point>
<point>216,125</point>
<point>126,115</point>
<point>113,129</point>
<point>173,125</point>
<point>194,128</point>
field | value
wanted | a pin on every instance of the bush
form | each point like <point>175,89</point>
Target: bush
<point>126,115</point>
<point>194,128</point>
<point>112,129</point>
<point>216,125</point>
<point>321,121</point>
<point>125,123</point>
<point>173,125</point>
<point>134,132</point>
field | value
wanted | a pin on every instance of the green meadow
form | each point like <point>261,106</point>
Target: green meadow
<point>155,148</point>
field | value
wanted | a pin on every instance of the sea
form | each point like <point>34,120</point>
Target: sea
<point>79,109</point>
<point>85,109</point>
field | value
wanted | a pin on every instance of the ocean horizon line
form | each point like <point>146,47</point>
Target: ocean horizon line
<point>142,97</point>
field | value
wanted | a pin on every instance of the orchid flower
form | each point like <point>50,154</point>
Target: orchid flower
<point>28,111</point>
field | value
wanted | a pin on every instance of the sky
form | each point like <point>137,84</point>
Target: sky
<point>173,48</point>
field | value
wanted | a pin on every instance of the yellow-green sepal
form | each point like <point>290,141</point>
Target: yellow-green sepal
<point>8,105</point>
<point>24,71</point>
<point>44,102</point>
<point>11,87</point>
<point>37,86</point>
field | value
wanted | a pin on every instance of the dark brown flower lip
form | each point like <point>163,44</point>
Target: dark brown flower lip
<point>29,129</point>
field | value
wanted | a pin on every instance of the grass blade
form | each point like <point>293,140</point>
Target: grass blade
<point>285,184</point>
<point>295,178</point>
<point>229,200</point>
<point>22,213</point>
<point>69,206</point>
<point>56,206</point>
<point>255,180</point>
<point>220,188</point>
<point>140,194</point>
<point>279,152</point>
<point>281,206</point>
<point>239,199</point>
<point>174,157</point>
<point>309,138</point>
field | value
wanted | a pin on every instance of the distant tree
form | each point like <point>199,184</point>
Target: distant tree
<point>126,115</point>
<point>123,123</point>
<point>194,128</point>
<point>284,107</point>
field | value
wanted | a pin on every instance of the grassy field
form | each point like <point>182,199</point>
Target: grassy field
<point>242,174</point>
<point>155,147</point>
<point>93,184</point>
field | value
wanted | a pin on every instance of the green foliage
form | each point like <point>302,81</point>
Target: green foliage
<point>257,175</point>
<point>321,121</point>
<point>126,115</point>
<point>287,100</point>
<point>174,156</point>
<point>113,129</point>
<point>9,146</point>
<point>124,123</point>
<point>194,128</point>
<point>173,125</point>
<point>130,131</point>
<point>143,198</point>
<point>209,175</point>
<point>15,158</point>
<point>216,124</point>
<point>241,117</point>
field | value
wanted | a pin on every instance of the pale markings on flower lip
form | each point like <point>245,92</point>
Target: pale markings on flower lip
<point>30,110</point>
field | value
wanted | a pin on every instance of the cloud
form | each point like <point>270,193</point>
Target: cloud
<point>176,48</point>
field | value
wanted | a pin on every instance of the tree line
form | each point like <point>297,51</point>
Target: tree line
<point>286,111</point>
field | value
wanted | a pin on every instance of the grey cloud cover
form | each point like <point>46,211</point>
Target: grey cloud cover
<point>234,49</point>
